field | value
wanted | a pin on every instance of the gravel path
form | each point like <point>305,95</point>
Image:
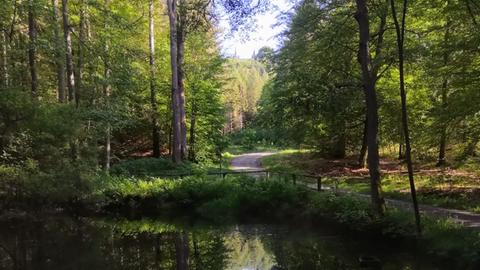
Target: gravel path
<point>249,162</point>
<point>252,162</point>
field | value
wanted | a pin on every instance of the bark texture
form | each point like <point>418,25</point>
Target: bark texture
<point>176,112</point>
<point>369,81</point>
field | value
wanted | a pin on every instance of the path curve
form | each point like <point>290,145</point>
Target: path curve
<point>249,162</point>
<point>253,162</point>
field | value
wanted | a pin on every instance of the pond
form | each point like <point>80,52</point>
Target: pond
<point>86,243</point>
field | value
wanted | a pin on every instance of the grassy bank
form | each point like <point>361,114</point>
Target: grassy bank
<point>138,192</point>
<point>455,187</point>
<point>237,198</point>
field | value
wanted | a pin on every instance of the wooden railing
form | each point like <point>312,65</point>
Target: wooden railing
<point>294,177</point>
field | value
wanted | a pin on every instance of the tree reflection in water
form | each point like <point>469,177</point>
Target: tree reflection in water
<point>64,243</point>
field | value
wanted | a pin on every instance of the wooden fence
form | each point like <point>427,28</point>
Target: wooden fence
<point>314,180</point>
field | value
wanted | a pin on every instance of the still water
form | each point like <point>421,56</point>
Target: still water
<point>90,244</point>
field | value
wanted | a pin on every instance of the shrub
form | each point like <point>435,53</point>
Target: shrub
<point>152,167</point>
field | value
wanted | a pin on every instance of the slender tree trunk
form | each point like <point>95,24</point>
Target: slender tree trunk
<point>193,121</point>
<point>68,52</point>
<point>107,89</point>
<point>443,127</point>
<point>372,107</point>
<point>32,47</point>
<point>153,91</point>
<point>408,155</point>
<point>363,151</point>
<point>176,112</point>
<point>181,251</point>
<point>196,252</point>
<point>4,64</point>
<point>59,54</point>
<point>444,99</point>
<point>181,87</point>
<point>400,146</point>
<point>81,37</point>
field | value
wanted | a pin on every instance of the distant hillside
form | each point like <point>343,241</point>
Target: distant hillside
<point>245,80</point>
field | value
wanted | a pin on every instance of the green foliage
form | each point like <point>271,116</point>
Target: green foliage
<point>315,96</point>
<point>251,138</point>
<point>449,239</point>
<point>243,88</point>
<point>240,197</point>
<point>151,167</point>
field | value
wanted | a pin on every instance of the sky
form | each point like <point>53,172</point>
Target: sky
<point>265,33</point>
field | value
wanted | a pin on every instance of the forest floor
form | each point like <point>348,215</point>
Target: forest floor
<point>345,175</point>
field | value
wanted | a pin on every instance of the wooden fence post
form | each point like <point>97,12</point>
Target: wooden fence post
<point>319,183</point>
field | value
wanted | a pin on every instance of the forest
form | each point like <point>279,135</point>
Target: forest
<point>127,119</point>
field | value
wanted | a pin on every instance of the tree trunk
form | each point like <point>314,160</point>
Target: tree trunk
<point>176,112</point>
<point>68,52</point>
<point>181,251</point>
<point>363,151</point>
<point>59,54</point>
<point>81,37</point>
<point>153,91</point>
<point>444,99</point>
<point>107,89</point>
<point>400,30</point>
<point>443,127</point>
<point>400,147</point>
<point>369,82</point>
<point>181,87</point>
<point>4,64</point>
<point>32,48</point>
<point>193,121</point>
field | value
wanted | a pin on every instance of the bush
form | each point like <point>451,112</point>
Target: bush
<point>152,167</point>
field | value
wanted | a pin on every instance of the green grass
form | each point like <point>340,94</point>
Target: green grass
<point>286,161</point>
<point>449,191</point>
<point>432,190</point>
<point>239,149</point>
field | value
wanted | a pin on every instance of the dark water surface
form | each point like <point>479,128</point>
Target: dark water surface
<point>90,244</point>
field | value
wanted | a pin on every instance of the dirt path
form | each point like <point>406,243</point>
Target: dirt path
<point>252,162</point>
<point>249,162</point>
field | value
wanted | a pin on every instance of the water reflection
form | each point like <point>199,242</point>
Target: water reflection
<point>62,243</point>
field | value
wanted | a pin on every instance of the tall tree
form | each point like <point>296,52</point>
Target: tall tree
<point>59,53</point>
<point>182,29</point>
<point>4,57</point>
<point>80,52</point>
<point>153,91</point>
<point>32,47</point>
<point>107,90</point>
<point>369,82</point>
<point>400,31</point>
<point>442,147</point>
<point>176,111</point>
<point>68,51</point>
